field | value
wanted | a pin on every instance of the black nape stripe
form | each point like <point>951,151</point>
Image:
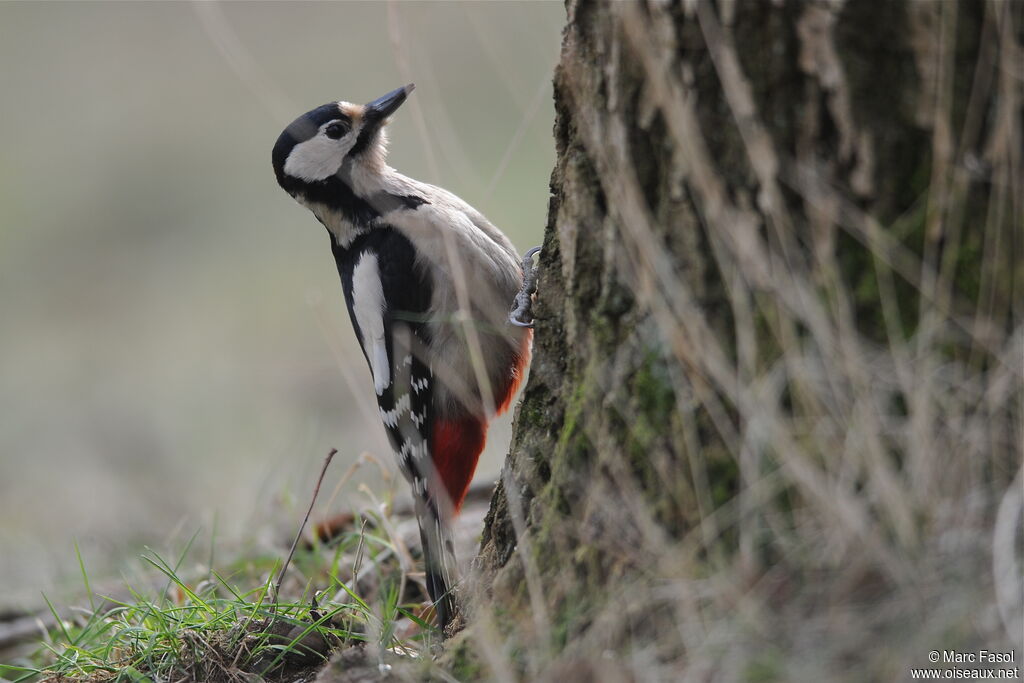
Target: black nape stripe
<point>333,192</point>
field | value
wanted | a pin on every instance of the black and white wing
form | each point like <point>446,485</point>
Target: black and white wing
<point>388,299</point>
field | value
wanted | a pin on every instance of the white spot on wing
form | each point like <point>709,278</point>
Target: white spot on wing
<point>411,453</point>
<point>368,306</point>
<point>390,417</point>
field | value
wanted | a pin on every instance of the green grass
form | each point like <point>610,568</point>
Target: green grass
<point>223,624</point>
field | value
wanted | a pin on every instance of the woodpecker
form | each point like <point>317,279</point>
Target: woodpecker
<point>428,282</point>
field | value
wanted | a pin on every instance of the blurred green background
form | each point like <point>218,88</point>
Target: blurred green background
<point>175,347</point>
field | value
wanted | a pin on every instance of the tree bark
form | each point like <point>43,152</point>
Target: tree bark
<point>777,355</point>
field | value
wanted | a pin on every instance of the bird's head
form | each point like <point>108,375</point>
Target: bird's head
<point>316,145</point>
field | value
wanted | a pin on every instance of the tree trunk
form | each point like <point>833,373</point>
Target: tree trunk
<point>777,364</point>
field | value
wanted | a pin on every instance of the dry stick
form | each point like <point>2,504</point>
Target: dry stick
<point>298,535</point>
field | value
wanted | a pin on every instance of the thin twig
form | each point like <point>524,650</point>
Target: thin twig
<point>298,534</point>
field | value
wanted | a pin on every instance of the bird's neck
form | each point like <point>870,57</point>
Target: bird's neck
<point>358,198</point>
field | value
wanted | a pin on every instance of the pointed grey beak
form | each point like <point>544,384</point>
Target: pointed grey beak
<point>385,106</point>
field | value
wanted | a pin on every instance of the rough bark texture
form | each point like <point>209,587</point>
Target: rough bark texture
<point>783,238</point>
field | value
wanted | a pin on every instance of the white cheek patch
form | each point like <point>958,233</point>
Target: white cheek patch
<point>319,157</point>
<point>368,306</point>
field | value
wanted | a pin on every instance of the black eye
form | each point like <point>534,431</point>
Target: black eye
<point>335,129</point>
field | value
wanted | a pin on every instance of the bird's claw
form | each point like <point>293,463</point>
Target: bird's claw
<point>522,314</point>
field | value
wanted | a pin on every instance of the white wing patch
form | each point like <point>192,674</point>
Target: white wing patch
<point>368,305</point>
<point>390,417</point>
<point>413,451</point>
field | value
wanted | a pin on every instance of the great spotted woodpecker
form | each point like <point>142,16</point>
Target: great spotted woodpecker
<point>428,281</point>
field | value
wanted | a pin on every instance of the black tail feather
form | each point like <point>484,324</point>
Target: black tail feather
<point>439,560</point>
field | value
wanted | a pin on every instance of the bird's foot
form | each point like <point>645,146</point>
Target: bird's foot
<point>522,313</point>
